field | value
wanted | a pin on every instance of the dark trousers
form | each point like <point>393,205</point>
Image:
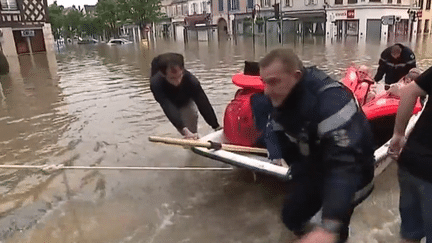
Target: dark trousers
<point>189,115</point>
<point>303,201</point>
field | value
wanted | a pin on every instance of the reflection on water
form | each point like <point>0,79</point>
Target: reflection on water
<point>91,105</point>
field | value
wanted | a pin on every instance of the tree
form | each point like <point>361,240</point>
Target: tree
<point>108,12</point>
<point>72,22</point>
<point>143,11</point>
<point>56,18</point>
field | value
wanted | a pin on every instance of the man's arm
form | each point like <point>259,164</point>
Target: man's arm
<point>202,102</point>
<point>382,68</point>
<point>409,94</point>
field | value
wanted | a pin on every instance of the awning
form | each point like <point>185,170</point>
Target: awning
<point>197,19</point>
<point>305,14</point>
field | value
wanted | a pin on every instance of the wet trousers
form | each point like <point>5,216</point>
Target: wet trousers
<point>303,201</point>
<point>415,206</point>
<point>189,116</point>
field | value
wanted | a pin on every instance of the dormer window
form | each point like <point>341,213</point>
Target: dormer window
<point>9,5</point>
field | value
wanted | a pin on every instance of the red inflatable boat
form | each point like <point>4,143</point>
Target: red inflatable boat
<point>239,125</point>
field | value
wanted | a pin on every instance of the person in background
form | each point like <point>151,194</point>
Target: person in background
<point>321,133</point>
<point>415,161</point>
<point>395,62</point>
<point>394,89</point>
<point>180,93</point>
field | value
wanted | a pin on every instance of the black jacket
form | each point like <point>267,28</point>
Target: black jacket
<point>395,69</point>
<point>173,98</point>
<point>326,137</point>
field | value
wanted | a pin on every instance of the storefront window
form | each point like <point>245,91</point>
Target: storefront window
<point>8,5</point>
<point>419,29</point>
<point>352,27</point>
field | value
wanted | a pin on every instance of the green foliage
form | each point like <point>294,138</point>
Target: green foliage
<point>109,16</point>
<point>259,20</point>
<point>108,11</point>
<point>72,22</point>
<point>56,18</point>
<point>142,11</point>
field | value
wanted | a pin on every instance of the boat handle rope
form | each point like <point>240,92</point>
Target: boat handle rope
<point>53,167</point>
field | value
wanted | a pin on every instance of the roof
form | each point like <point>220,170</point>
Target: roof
<point>89,8</point>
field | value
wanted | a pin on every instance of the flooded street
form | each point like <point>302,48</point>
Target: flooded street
<point>91,105</point>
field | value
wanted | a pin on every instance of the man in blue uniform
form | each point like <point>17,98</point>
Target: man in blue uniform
<point>325,138</point>
<point>395,62</point>
<point>415,161</point>
<point>179,93</point>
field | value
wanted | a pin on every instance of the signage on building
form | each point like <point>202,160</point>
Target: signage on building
<point>388,20</point>
<point>27,33</point>
<point>341,14</point>
<point>350,14</point>
<point>347,14</point>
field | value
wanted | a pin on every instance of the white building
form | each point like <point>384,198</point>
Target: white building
<point>370,19</point>
<point>336,19</point>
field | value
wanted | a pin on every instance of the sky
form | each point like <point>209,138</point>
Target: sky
<point>69,3</point>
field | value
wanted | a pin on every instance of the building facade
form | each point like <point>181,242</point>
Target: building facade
<point>424,17</point>
<point>381,20</point>
<point>371,20</point>
<point>24,27</point>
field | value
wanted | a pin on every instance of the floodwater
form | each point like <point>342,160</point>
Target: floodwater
<point>91,105</point>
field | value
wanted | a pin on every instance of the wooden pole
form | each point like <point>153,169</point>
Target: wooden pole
<point>209,145</point>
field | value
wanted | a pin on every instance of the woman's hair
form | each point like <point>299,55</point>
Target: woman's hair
<point>166,60</point>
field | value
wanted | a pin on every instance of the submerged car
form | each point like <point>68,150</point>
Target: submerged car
<point>88,41</point>
<point>119,42</point>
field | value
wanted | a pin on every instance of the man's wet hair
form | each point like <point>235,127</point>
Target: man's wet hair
<point>287,56</point>
<point>396,49</point>
<point>166,60</point>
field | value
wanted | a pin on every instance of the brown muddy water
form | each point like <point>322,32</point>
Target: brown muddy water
<point>91,105</point>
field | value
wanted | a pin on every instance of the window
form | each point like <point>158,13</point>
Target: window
<point>376,1</point>
<point>288,3</point>
<point>419,30</point>
<point>389,1</point>
<point>426,26</point>
<point>338,1</point>
<point>250,4</point>
<point>265,3</point>
<point>420,4</point>
<point>185,9</point>
<point>9,5</point>
<point>221,5</point>
<point>235,5</point>
<point>354,1</point>
<point>399,1</point>
<point>194,8</point>
<point>204,7</point>
<point>428,4</point>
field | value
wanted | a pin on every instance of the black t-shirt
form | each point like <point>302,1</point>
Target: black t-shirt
<point>171,98</point>
<point>416,156</point>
